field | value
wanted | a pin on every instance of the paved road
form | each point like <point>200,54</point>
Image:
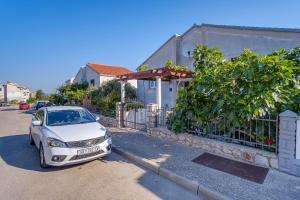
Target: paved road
<point>114,178</point>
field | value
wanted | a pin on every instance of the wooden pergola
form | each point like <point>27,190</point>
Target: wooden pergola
<point>158,74</point>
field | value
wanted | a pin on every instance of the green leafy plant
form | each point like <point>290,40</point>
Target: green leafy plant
<point>39,95</point>
<point>109,93</point>
<point>248,86</point>
<point>142,68</point>
<point>171,65</point>
<point>67,94</point>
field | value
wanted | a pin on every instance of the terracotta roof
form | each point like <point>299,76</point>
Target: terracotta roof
<point>109,69</point>
<point>164,72</point>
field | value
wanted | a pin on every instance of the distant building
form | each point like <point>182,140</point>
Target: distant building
<point>1,92</point>
<point>69,81</point>
<point>96,74</point>
<point>15,92</point>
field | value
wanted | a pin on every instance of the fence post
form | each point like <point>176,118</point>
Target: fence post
<point>287,143</point>
<point>151,116</point>
<point>120,114</point>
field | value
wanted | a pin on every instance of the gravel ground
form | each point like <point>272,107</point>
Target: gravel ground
<point>178,158</point>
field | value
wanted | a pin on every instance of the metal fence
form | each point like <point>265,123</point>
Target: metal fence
<point>164,116</point>
<point>135,115</point>
<point>259,133</point>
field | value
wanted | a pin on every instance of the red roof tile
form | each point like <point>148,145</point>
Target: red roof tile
<point>109,69</point>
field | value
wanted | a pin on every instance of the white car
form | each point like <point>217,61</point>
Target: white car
<point>68,135</point>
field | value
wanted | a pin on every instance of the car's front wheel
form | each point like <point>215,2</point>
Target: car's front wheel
<point>42,157</point>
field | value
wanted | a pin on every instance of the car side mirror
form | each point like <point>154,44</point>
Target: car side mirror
<point>97,117</point>
<point>36,122</point>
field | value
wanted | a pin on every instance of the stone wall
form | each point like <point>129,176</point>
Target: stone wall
<point>230,150</point>
<point>108,121</point>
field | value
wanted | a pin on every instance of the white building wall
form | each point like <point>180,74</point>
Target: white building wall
<point>231,42</point>
<point>79,78</point>
<point>105,78</point>
<point>13,92</point>
<point>167,51</point>
<point>90,75</point>
<point>1,93</point>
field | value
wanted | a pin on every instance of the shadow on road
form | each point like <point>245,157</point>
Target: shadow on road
<point>9,109</point>
<point>30,112</point>
<point>16,151</point>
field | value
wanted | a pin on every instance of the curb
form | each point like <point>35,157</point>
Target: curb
<point>192,186</point>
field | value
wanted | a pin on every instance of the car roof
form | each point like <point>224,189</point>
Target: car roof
<point>42,101</point>
<point>53,108</point>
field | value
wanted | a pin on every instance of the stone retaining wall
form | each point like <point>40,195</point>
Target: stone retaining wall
<point>108,121</point>
<point>230,150</point>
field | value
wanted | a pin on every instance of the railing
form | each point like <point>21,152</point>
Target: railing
<point>163,116</point>
<point>135,115</point>
<point>258,133</point>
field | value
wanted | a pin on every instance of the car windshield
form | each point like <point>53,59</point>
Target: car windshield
<point>41,104</point>
<point>68,117</point>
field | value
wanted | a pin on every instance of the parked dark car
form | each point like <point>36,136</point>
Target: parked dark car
<point>41,104</point>
<point>3,104</point>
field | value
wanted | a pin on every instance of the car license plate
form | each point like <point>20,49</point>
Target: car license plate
<point>88,150</point>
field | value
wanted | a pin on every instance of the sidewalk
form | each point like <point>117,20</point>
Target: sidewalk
<point>177,158</point>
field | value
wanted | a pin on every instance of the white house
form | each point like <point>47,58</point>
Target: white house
<point>230,39</point>
<point>97,74</point>
<point>69,81</point>
<point>1,92</point>
<point>15,92</point>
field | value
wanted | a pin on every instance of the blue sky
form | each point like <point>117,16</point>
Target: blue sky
<point>43,43</point>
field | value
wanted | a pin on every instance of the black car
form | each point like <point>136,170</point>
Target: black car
<point>4,104</point>
<point>41,104</point>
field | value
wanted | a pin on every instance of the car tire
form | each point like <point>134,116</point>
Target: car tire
<point>42,157</point>
<point>31,142</point>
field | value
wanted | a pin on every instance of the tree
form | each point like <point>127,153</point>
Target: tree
<point>70,93</point>
<point>39,94</point>
<point>109,93</point>
<point>246,87</point>
<point>142,68</point>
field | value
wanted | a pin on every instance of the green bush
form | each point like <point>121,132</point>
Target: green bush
<point>109,93</point>
<point>67,94</point>
<point>248,86</point>
<point>31,100</point>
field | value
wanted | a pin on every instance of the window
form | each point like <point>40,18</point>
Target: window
<point>92,82</point>
<point>152,84</point>
<point>67,117</point>
<point>40,115</point>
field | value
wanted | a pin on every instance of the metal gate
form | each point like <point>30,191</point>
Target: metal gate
<point>135,115</point>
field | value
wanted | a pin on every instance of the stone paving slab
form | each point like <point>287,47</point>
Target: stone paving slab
<point>177,158</point>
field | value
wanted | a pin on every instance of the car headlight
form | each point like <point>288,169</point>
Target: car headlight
<point>52,142</point>
<point>107,135</point>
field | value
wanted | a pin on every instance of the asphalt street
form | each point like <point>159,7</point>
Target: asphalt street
<point>112,178</point>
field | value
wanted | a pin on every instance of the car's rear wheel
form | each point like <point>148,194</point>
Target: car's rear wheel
<point>31,142</point>
<point>42,157</point>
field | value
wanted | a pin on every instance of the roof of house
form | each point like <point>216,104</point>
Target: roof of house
<point>108,69</point>
<point>287,30</point>
<point>275,29</point>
